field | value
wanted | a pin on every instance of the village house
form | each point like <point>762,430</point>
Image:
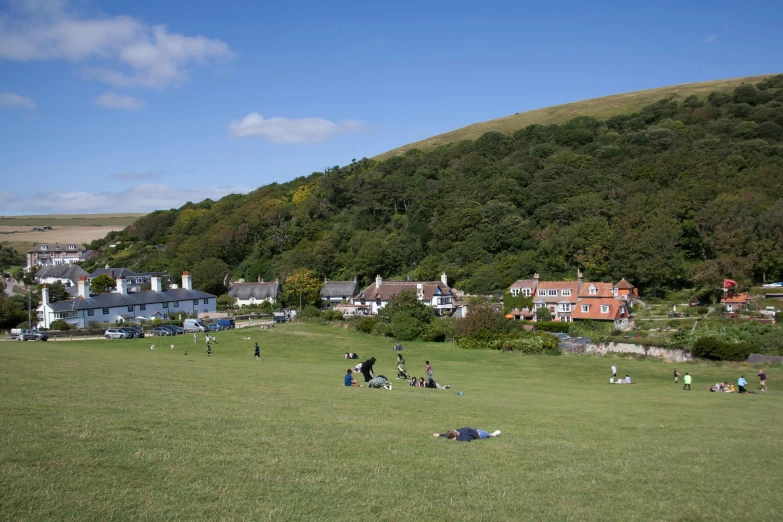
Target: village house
<point>121,305</point>
<point>435,294</point>
<point>48,255</point>
<point>68,275</point>
<point>577,300</point>
<point>733,303</point>
<point>248,294</point>
<point>135,280</point>
<point>336,292</point>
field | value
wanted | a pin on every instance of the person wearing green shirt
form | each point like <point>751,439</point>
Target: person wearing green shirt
<point>687,381</point>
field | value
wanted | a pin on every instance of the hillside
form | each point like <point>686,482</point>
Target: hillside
<point>676,195</point>
<point>601,108</point>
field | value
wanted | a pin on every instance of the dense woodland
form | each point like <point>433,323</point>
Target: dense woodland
<point>678,195</point>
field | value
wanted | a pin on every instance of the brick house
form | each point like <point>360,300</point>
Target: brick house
<point>48,255</point>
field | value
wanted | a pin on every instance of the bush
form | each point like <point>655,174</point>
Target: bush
<point>714,349</point>
<point>481,321</point>
<point>310,313</point>
<point>702,310</point>
<point>528,343</point>
<point>405,327</point>
<point>439,330</point>
<point>332,315</point>
<point>552,327</point>
<point>59,324</point>
<point>366,324</point>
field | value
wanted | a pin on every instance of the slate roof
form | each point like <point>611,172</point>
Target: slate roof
<point>124,272</point>
<point>65,271</point>
<point>389,289</point>
<point>137,298</point>
<point>56,248</point>
<point>257,290</point>
<point>340,289</point>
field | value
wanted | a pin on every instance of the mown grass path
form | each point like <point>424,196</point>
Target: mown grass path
<point>111,430</point>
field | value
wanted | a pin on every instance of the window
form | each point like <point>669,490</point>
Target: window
<point>515,292</point>
<point>105,311</point>
<point>90,312</point>
<point>542,292</point>
<point>165,316</point>
<point>142,307</point>
<point>71,247</point>
<point>565,307</point>
<point>585,308</point>
<point>176,304</point>
<point>206,301</point>
<point>526,292</point>
<point>195,302</point>
<point>566,292</point>
<point>604,309</point>
<point>591,290</point>
<point>130,308</point>
<point>553,292</point>
<point>44,247</point>
<point>165,305</point>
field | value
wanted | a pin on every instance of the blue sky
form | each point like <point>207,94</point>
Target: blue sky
<point>136,106</point>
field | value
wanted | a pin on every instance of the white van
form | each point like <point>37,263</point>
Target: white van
<point>194,325</point>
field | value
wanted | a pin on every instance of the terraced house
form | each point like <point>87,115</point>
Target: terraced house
<point>122,305</point>
<point>574,300</point>
<point>48,255</point>
<point>435,294</point>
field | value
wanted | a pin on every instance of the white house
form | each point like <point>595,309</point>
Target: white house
<point>336,292</point>
<point>135,280</point>
<point>255,293</point>
<point>67,274</point>
<point>436,294</point>
<point>122,305</point>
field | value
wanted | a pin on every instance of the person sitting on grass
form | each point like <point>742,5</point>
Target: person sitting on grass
<point>349,380</point>
<point>466,434</point>
<point>432,384</point>
<point>627,379</point>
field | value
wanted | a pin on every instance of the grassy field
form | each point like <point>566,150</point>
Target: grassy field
<point>602,108</point>
<point>106,430</point>
<point>82,220</point>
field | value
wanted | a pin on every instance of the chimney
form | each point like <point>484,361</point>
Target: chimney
<point>536,277</point>
<point>187,282</point>
<point>355,279</point>
<point>111,274</point>
<point>45,294</point>
<point>155,285</point>
<point>420,291</point>
<point>579,276</point>
<point>84,287</point>
<point>259,279</point>
<point>378,281</point>
<point>444,279</point>
<point>122,286</point>
<point>325,280</point>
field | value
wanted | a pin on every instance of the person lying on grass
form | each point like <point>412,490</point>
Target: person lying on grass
<point>466,434</point>
<point>380,382</point>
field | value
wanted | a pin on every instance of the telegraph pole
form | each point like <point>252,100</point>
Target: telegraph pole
<point>29,308</point>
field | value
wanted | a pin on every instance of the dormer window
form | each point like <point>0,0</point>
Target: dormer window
<point>604,309</point>
<point>526,292</point>
<point>585,308</point>
<point>592,290</point>
<point>44,247</point>
<point>515,292</point>
<point>566,292</point>
<point>71,247</point>
<point>553,292</point>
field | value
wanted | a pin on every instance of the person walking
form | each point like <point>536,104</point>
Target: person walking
<point>258,353</point>
<point>401,367</point>
<point>676,375</point>
<point>686,380</point>
<point>195,337</point>
<point>614,371</point>
<point>741,383</point>
<point>209,350</point>
<point>763,380</point>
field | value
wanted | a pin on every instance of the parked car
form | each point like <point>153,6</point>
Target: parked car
<point>194,325</point>
<point>176,330</point>
<point>161,331</point>
<point>774,285</point>
<point>138,332</point>
<point>129,332</point>
<point>115,333</point>
<point>215,327</point>
<point>28,335</point>
<point>226,323</point>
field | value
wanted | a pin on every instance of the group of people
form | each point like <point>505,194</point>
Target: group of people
<point>366,369</point>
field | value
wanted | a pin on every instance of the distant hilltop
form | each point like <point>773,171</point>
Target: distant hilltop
<point>601,108</point>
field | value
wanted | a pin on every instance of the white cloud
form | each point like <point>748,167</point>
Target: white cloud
<point>141,198</point>
<point>286,130</point>
<point>130,53</point>
<point>12,100</point>
<point>111,100</point>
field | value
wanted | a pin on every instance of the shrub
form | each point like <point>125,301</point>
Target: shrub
<point>481,321</point>
<point>552,327</point>
<point>332,315</point>
<point>310,313</point>
<point>439,330</point>
<point>714,349</point>
<point>366,324</point>
<point>405,327</point>
<point>59,324</point>
<point>702,310</point>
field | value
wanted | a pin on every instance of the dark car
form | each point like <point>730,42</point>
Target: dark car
<point>160,331</point>
<point>176,330</point>
<point>137,331</point>
<point>31,335</point>
<point>130,333</point>
<point>215,327</point>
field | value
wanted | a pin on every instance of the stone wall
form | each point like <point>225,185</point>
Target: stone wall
<point>652,351</point>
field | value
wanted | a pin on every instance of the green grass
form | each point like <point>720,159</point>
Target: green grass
<point>102,430</point>
<point>71,220</point>
<point>601,108</point>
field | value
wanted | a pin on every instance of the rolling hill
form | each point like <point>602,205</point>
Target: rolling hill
<point>601,108</point>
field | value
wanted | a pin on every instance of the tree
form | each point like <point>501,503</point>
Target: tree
<point>482,322</point>
<point>304,283</point>
<point>10,312</point>
<point>543,315</point>
<point>102,284</point>
<point>209,274</point>
<point>225,301</point>
<point>57,292</point>
<point>407,303</point>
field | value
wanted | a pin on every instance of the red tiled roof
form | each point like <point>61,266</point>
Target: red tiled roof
<point>624,285</point>
<point>594,311</point>
<point>738,298</point>
<point>601,290</point>
<point>546,285</point>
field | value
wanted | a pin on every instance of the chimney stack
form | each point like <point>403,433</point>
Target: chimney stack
<point>84,287</point>
<point>155,285</point>
<point>187,282</point>
<point>111,274</point>
<point>122,286</point>
<point>536,277</point>
<point>45,294</point>
<point>444,279</point>
<point>378,281</point>
<point>579,276</point>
